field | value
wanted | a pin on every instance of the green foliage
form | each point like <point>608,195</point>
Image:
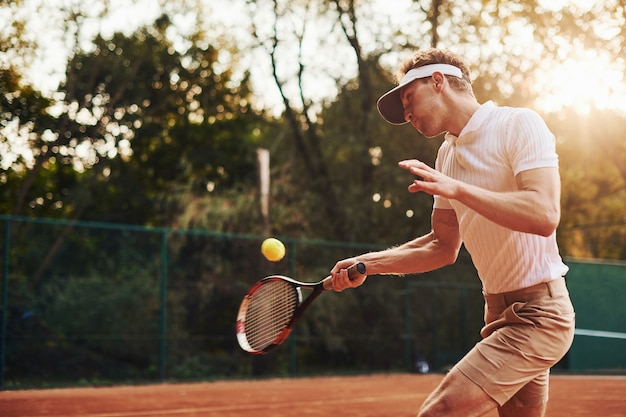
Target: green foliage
<point>173,120</point>
<point>373,189</point>
<point>67,316</point>
<point>93,314</point>
<point>149,119</point>
<point>23,114</point>
<point>145,131</point>
<point>594,184</point>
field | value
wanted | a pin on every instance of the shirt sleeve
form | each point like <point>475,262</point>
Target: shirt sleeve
<point>531,145</point>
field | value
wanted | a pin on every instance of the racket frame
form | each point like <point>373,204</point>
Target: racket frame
<point>301,306</point>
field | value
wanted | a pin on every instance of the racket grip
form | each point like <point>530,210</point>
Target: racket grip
<point>357,269</point>
<point>353,272</point>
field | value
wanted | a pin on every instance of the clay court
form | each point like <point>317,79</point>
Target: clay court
<point>362,396</point>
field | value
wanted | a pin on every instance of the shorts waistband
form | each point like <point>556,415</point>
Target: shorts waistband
<point>550,289</point>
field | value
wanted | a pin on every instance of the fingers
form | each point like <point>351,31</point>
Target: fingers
<point>416,187</point>
<point>414,165</point>
<point>428,180</point>
<point>408,164</point>
<point>344,264</point>
<point>339,276</point>
<point>418,168</point>
<point>340,280</point>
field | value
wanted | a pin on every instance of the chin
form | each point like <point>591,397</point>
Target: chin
<point>428,135</point>
<point>433,136</point>
<point>425,132</point>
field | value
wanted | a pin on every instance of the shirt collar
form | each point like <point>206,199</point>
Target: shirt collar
<point>474,122</point>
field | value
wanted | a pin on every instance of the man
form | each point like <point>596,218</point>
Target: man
<point>496,189</point>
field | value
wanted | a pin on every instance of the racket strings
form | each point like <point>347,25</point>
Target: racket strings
<point>269,311</point>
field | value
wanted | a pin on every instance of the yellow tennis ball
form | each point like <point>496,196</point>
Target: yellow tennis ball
<point>273,249</point>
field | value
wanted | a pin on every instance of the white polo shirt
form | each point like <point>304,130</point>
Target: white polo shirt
<point>497,144</point>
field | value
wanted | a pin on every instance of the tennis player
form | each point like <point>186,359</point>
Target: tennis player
<point>496,189</point>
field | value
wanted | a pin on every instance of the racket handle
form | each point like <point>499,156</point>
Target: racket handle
<point>353,272</point>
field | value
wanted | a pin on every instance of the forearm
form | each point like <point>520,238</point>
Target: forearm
<point>438,248</point>
<point>420,255</point>
<point>533,208</point>
<point>528,211</point>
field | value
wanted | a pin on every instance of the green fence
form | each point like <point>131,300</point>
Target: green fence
<point>598,291</point>
<point>93,303</point>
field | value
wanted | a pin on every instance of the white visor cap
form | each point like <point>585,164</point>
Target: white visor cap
<point>390,104</point>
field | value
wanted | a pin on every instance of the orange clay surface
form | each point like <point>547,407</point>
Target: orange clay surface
<point>362,396</point>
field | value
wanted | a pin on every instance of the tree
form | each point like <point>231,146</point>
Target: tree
<point>509,44</point>
<point>23,121</point>
<point>153,135</point>
<point>138,120</point>
<point>594,184</point>
<point>24,118</point>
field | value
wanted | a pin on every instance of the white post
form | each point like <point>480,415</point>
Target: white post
<point>263,158</point>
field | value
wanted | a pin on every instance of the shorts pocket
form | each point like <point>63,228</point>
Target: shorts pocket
<point>511,315</point>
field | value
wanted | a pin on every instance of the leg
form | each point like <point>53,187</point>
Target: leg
<point>508,410</point>
<point>530,401</point>
<point>456,396</point>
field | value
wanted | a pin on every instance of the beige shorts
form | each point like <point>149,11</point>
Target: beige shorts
<point>526,332</point>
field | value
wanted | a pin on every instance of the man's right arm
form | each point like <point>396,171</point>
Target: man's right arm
<point>434,250</point>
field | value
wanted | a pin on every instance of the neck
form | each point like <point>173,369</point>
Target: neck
<point>463,110</point>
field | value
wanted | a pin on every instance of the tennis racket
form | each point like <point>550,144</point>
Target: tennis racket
<point>272,307</point>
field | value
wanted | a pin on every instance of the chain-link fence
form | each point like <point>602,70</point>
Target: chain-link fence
<point>90,303</point>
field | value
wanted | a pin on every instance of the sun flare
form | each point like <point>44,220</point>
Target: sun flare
<point>589,80</point>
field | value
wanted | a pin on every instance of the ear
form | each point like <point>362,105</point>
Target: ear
<point>438,79</point>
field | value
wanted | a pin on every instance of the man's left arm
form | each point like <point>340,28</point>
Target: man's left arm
<point>533,208</point>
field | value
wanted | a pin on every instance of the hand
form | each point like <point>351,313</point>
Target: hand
<point>339,276</point>
<point>429,179</point>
